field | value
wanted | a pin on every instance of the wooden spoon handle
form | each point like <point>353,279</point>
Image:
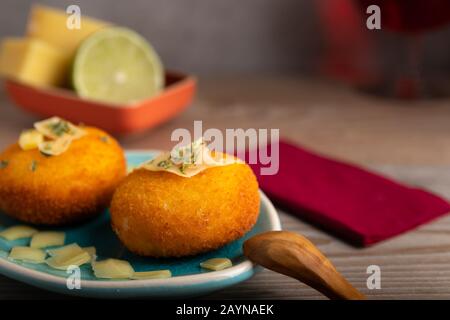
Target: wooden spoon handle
<point>293,255</point>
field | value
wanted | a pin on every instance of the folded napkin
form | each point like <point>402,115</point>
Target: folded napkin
<point>359,206</point>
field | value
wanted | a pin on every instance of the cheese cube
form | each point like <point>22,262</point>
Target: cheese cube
<point>50,25</point>
<point>33,61</point>
<point>30,139</point>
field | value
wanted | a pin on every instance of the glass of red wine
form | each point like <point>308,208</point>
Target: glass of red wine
<point>413,19</point>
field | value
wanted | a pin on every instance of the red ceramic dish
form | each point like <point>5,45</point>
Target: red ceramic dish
<point>177,95</point>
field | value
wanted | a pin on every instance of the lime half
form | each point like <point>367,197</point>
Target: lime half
<point>117,65</point>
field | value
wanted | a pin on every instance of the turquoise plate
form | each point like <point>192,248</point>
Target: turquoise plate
<point>188,278</point>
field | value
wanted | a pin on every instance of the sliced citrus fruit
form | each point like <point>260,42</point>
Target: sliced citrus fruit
<point>117,65</point>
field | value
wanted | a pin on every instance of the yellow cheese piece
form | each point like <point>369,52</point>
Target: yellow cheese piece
<point>216,264</point>
<point>55,128</point>
<point>92,252</point>
<point>27,254</point>
<point>71,255</point>
<point>112,269</point>
<point>61,132</point>
<point>157,274</point>
<point>55,147</point>
<point>47,239</point>
<point>17,232</point>
<point>189,160</point>
<point>50,24</point>
<point>71,248</point>
<point>33,61</point>
<point>30,139</point>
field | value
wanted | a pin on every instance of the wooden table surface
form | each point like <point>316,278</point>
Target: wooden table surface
<point>406,140</point>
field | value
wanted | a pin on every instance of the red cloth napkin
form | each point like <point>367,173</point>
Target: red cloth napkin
<point>361,207</point>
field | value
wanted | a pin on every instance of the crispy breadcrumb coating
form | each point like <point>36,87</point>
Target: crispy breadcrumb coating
<point>160,214</point>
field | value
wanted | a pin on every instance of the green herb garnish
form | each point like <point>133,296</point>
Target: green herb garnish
<point>164,164</point>
<point>33,165</point>
<point>59,128</point>
<point>104,139</point>
<point>3,164</point>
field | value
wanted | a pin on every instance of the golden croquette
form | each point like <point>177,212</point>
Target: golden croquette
<point>160,214</point>
<point>55,190</point>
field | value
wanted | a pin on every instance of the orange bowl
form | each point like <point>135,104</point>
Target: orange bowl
<point>176,96</point>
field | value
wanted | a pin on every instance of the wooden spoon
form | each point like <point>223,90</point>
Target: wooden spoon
<point>295,256</point>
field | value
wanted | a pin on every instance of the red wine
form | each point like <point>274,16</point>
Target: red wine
<point>411,16</point>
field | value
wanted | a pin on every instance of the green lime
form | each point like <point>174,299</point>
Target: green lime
<point>117,65</point>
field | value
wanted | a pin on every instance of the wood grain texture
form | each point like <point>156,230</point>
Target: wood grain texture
<point>293,255</point>
<point>409,141</point>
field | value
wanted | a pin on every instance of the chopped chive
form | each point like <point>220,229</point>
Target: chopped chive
<point>33,165</point>
<point>59,128</point>
<point>164,164</point>
<point>104,139</point>
<point>3,164</point>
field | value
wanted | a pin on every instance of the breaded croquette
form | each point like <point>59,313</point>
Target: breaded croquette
<point>160,214</point>
<point>55,190</point>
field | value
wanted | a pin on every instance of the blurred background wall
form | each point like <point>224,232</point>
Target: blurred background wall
<point>231,36</point>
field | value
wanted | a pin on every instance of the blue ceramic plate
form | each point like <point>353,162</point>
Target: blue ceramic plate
<point>188,278</point>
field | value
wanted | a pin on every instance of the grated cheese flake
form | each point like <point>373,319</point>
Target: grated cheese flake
<point>27,254</point>
<point>17,232</point>
<point>112,269</point>
<point>70,255</point>
<point>157,274</point>
<point>47,239</point>
<point>216,264</point>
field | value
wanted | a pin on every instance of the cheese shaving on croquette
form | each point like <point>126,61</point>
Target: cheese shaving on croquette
<point>55,128</point>
<point>189,160</point>
<point>58,134</point>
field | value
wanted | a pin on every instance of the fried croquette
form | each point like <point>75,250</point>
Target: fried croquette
<point>56,190</point>
<point>160,214</point>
